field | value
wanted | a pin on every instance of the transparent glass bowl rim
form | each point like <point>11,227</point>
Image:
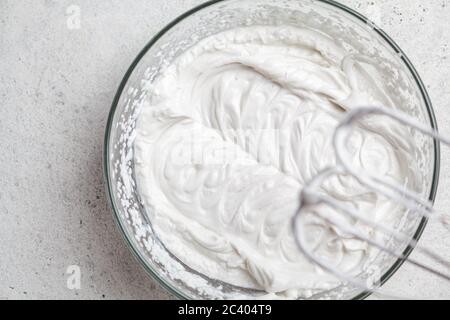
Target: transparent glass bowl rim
<point>106,167</point>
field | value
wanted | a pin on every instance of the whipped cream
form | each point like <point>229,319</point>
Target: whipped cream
<point>231,132</point>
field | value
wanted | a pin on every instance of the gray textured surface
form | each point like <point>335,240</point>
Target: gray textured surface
<point>56,86</point>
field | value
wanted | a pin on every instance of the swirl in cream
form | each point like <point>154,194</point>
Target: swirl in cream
<point>231,132</point>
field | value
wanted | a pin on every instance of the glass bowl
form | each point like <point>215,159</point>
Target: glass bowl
<point>353,31</point>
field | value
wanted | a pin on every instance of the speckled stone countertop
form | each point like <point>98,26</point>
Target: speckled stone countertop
<point>57,80</point>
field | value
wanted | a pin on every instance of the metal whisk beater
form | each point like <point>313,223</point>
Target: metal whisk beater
<point>410,200</point>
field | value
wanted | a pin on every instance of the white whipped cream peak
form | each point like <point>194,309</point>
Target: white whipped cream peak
<point>232,131</point>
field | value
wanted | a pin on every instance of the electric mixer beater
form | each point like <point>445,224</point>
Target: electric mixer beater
<point>311,198</point>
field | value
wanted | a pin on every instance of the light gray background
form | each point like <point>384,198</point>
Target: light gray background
<point>56,88</point>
